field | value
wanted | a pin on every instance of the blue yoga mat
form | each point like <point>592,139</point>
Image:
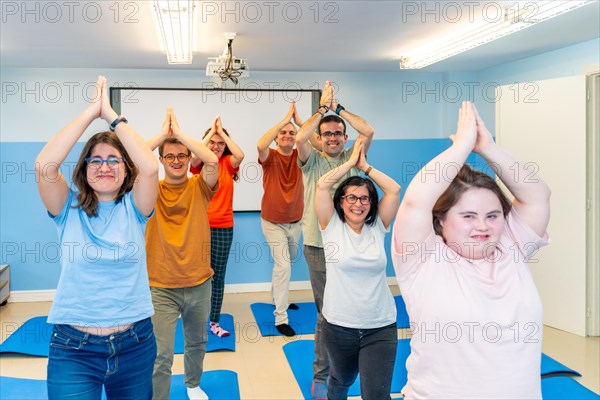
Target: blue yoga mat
<point>300,355</point>
<point>565,388</point>
<point>550,366</point>
<point>33,338</point>
<point>304,320</point>
<point>218,385</point>
<point>401,315</point>
<point>214,342</point>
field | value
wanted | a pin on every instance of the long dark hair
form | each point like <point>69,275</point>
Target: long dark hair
<point>87,198</point>
<point>357,181</point>
<point>467,178</point>
<point>226,151</point>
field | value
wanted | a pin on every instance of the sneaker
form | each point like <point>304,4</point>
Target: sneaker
<point>216,329</point>
<point>196,394</point>
<point>293,306</point>
<point>285,330</point>
<point>319,390</point>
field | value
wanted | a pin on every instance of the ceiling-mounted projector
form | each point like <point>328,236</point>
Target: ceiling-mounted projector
<point>226,66</point>
<point>219,65</point>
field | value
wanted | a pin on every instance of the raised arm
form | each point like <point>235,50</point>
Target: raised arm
<point>237,154</point>
<point>414,218</point>
<point>531,194</point>
<point>165,131</point>
<point>306,134</point>
<point>314,138</point>
<point>195,161</point>
<point>388,204</point>
<point>145,188</point>
<point>364,129</point>
<point>210,171</point>
<point>52,186</point>
<point>323,201</point>
<point>265,141</point>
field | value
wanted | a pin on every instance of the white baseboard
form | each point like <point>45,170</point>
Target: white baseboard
<point>263,287</point>
<point>26,296</point>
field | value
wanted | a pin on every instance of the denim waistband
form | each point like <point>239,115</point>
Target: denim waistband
<point>85,336</point>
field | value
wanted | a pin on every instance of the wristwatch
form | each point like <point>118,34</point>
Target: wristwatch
<point>117,122</point>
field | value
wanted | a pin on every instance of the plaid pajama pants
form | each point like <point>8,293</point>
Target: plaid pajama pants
<point>220,244</point>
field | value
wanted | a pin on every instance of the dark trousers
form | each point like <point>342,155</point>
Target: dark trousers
<point>372,352</point>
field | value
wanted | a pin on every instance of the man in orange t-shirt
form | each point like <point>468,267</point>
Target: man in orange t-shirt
<point>281,209</point>
<point>178,256</point>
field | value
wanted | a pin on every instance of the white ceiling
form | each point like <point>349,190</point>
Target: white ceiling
<point>272,35</point>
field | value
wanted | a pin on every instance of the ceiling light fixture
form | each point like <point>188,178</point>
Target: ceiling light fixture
<point>175,20</point>
<point>516,17</point>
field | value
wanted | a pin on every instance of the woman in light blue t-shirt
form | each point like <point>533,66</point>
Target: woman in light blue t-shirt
<point>102,334</point>
<point>359,330</point>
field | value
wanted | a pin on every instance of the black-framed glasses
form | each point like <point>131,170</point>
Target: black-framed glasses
<point>330,134</point>
<point>352,199</point>
<point>96,162</point>
<point>180,157</point>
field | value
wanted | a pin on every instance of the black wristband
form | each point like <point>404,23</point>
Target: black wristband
<point>117,122</point>
<point>325,107</point>
<point>339,109</point>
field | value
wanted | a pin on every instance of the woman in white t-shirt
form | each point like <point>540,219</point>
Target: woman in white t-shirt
<point>460,251</point>
<point>359,330</point>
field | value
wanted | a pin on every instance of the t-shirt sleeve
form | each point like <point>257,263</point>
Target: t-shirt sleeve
<point>230,169</point>
<point>380,227</point>
<point>413,255</point>
<point>310,161</point>
<point>61,218</point>
<point>206,190</point>
<point>130,204</point>
<point>265,164</point>
<point>196,170</point>
<point>521,235</point>
<point>333,224</point>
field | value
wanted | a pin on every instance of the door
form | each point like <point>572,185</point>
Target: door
<point>544,123</point>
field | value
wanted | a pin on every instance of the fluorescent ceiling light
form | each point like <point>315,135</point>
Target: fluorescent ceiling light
<point>518,16</point>
<point>175,20</point>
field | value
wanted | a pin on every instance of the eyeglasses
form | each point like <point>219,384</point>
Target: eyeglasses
<point>180,157</point>
<point>330,134</point>
<point>213,143</point>
<point>96,162</point>
<point>351,199</point>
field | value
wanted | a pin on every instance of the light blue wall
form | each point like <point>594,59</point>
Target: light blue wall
<point>577,59</point>
<point>412,112</point>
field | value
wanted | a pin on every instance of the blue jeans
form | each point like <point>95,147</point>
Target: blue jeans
<point>372,352</point>
<point>79,363</point>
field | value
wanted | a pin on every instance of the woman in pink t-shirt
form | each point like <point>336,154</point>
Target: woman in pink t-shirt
<point>460,251</point>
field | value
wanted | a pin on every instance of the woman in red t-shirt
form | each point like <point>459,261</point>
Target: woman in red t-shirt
<point>220,213</point>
